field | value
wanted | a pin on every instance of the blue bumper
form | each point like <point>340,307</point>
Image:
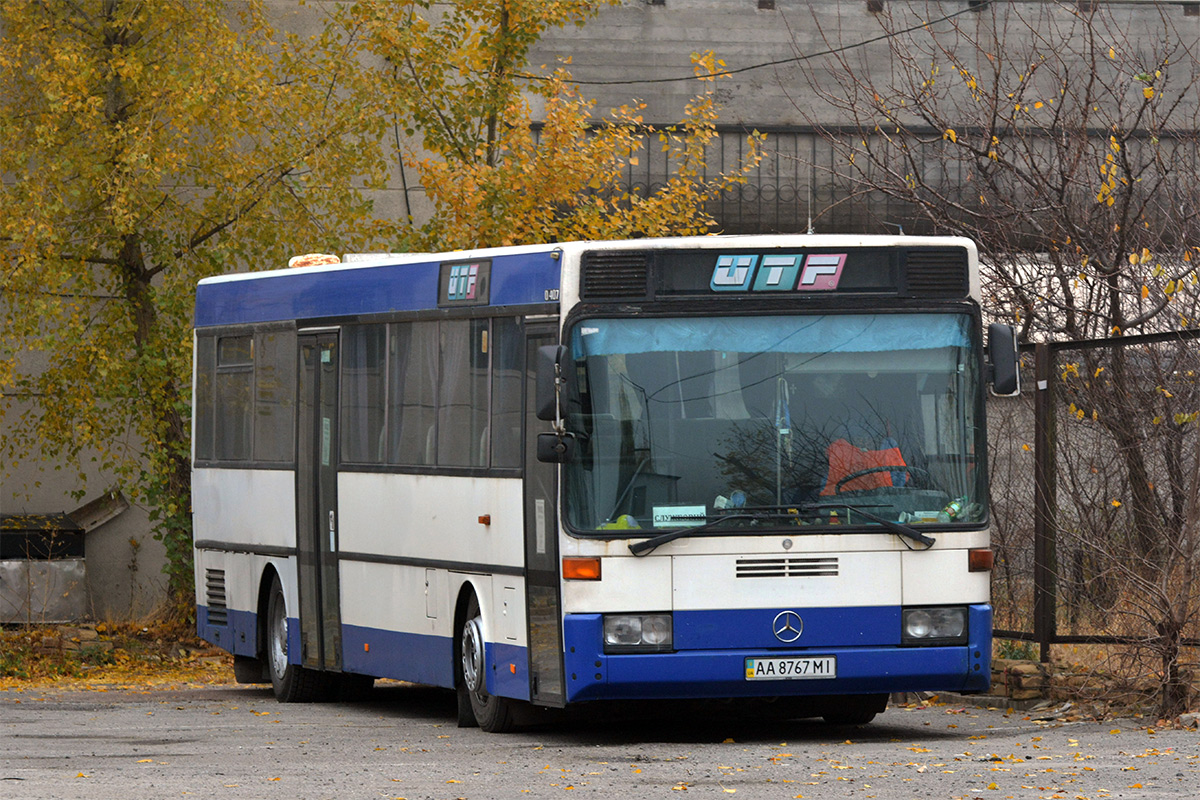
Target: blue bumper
<point>864,641</point>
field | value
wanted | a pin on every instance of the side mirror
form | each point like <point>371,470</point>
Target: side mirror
<point>1005,358</point>
<point>549,364</point>
<point>553,448</point>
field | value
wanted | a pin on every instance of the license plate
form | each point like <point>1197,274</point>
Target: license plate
<point>791,668</point>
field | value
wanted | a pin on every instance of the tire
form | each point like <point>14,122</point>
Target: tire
<point>466,715</point>
<point>492,714</point>
<point>249,670</point>
<point>292,683</point>
<point>858,710</point>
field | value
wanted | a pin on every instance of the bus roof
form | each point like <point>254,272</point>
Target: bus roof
<point>391,283</point>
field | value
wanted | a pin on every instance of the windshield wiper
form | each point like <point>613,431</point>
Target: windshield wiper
<point>905,531</point>
<point>644,547</point>
<point>898,528</point>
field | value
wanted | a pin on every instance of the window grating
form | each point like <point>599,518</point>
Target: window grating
<point>612,274</point>
<point>214,589</point>
<point>788,567</point>
<point>936,273</point>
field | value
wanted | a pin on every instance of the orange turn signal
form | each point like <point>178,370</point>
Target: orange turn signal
<point>980,560</point>
<point>581,569</point>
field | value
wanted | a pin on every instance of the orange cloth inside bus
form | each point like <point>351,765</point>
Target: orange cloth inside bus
<point>846,459</point>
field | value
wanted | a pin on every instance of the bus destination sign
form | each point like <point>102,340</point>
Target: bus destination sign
<point>774,272</point>
<point>465,283</point>
<point>792,272</point>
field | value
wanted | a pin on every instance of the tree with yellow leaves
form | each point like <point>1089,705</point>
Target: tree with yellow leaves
<point>145,146</point>
<point>462,100</point>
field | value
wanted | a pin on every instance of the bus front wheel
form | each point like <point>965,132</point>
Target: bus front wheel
<point>492,714</point>
<point>292,683</point>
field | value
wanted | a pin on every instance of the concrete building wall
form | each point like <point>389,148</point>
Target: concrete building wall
<point>641,41</point>
<point>636,42</point>
<point>123,562</point>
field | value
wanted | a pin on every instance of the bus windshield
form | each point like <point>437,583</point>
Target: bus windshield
<point>770,421</point>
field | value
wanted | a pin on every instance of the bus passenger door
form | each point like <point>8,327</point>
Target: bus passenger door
<point>542,598</point>
<point>316,501</point>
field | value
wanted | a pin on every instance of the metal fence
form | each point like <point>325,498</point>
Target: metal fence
<point>1094,471</point>
<point>801,182</point>
<point>804,182</point>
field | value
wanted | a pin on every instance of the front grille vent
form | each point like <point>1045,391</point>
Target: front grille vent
<point>936,272</point>
<point>788,567</point>
<point>214,588</point>
<point>615,275</point>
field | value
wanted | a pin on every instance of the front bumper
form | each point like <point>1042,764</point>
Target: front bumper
<point>878,666</point>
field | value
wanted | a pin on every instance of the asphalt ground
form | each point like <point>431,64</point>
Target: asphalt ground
<point>402,742</point>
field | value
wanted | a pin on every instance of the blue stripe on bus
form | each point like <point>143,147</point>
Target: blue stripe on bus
<point>715,673</point>
<point>416,657</point>
<point>522,279</point>
<point>420,658</point>
<point>739,629</point>
<point>706,668</point>
<point>509,673</point>
<point>428,659</point>
<point>239,634</point>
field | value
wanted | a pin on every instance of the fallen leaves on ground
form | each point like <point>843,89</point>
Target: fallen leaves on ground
<point>103,656</point>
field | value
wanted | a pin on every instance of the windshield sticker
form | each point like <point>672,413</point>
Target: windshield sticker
<point>679,516</point>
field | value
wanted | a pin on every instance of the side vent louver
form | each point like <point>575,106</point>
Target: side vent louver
<point>788,567</point>
<point>616,275</point>
<point>214,587</point>
<point>931,272</point>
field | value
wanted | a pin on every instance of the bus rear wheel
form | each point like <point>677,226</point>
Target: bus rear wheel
<point>292,683</point>
<point>492,714</point>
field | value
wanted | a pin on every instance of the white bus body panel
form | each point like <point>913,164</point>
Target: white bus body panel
<point>246,509</point>
<point>399,517</point>
<point>254,507</point>
<point>706,577</point>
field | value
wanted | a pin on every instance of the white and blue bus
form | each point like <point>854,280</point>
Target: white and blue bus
<point>710,467</point>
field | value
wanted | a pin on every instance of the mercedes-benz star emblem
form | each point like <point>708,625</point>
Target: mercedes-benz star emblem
<point>787,626</point>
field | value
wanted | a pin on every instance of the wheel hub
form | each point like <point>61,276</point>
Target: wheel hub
<point>278,643</point>
<point>472,655</point>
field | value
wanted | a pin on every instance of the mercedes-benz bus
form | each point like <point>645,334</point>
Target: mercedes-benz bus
<point>711,467</point>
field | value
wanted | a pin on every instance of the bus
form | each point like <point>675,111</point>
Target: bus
<point>721,467</point>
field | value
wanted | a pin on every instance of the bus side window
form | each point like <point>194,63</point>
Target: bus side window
<point>412,410</point>
<point>362,403</point>
<point>274,396</point>
<point>463,395</point>
<point>508,348</point>
<point>206,371</point>
<point>235,379</point>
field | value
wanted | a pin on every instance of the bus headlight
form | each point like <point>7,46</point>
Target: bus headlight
<point>637,633</point>
<point>934,625</point>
